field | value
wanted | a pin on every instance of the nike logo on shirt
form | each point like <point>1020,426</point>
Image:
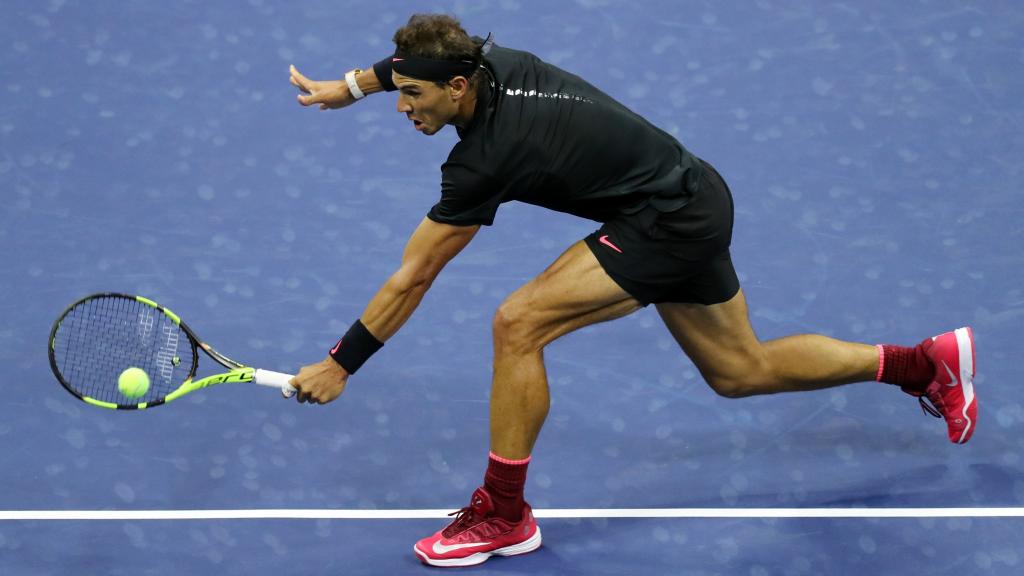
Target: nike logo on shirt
<point>604,240</point>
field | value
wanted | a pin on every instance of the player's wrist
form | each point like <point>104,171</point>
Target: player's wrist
<point>355,347</point>
<point>332,366</point>
<point>362,83</point>
<point>353,85</point>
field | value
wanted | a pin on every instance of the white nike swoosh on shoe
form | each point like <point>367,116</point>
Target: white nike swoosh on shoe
<point>954,382</point>
<point>439,548</point>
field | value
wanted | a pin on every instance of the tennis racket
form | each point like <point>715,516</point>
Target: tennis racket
<point>101,335</point>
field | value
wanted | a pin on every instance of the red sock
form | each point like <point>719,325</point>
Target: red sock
<point>504,481</point>
<point>907,367</point>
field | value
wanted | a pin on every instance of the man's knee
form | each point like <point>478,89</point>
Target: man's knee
<point>741,378</point>
<point>514,326</point>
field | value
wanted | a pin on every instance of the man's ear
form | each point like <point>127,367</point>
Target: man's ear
<point>458,86</point>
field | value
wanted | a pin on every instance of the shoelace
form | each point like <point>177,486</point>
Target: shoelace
<point>463,516</point>
<point>928,407</point>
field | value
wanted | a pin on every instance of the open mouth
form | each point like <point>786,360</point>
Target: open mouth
<point>417,124</point>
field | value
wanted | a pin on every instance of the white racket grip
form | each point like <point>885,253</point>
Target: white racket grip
<point>274,380</point>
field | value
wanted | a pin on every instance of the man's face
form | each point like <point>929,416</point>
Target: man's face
<point>428,105</point>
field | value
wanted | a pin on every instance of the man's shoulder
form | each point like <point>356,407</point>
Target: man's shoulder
<point>466,162</point>
<point>500,58</point>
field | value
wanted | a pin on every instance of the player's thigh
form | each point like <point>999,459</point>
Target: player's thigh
<point>718,338</point>
<point>574,291</point>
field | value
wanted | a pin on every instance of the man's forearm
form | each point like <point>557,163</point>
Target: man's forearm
<point>430,248</point>
<point>394,303</point>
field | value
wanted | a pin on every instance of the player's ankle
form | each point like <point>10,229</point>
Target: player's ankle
<point>505,481</point>
<point>908,367</point>
<point>508,508</point>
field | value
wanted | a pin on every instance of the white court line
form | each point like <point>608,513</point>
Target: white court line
<point>310,514</point>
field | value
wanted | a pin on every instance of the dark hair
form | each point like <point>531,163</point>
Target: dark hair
<point>440,37</point>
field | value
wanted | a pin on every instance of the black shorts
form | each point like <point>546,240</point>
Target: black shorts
<point>680,256</point>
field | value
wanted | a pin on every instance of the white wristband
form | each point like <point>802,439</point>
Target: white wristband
<point>350,77</point>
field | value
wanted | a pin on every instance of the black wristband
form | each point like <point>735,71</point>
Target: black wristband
<point>355,347</point>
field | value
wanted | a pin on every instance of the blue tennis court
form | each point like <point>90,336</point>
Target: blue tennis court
<point>874,151</point>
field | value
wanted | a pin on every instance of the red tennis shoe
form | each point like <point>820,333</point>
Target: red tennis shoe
<point>477,534</point>
<point>951,391</point>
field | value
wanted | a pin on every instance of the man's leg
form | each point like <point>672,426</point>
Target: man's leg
<point>572,293</point>
<point>721,342</point>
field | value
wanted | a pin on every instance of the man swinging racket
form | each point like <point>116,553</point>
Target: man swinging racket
<point>532,132</point>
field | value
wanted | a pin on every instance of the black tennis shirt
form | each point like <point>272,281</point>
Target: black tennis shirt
<point>546,137</point>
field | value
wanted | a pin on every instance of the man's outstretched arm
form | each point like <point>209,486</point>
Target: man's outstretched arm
<point>430,247</point>
<point>333,94</point>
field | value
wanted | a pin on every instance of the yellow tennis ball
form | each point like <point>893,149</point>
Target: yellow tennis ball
<point>133,382</point>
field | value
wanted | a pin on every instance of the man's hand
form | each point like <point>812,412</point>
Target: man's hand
<point>320,383</point>
<point>329,94</point>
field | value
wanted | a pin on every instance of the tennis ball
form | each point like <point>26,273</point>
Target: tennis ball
<point>133,382</point>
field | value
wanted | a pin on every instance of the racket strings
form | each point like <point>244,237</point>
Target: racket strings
<point>101,337</point>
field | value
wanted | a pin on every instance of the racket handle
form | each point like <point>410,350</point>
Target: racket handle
<point>274,380</point>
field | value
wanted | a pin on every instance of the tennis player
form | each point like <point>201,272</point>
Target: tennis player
<point>532,132</point>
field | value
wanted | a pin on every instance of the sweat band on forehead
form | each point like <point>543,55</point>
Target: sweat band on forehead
<point>437,70</point>
<point>430,69</point>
